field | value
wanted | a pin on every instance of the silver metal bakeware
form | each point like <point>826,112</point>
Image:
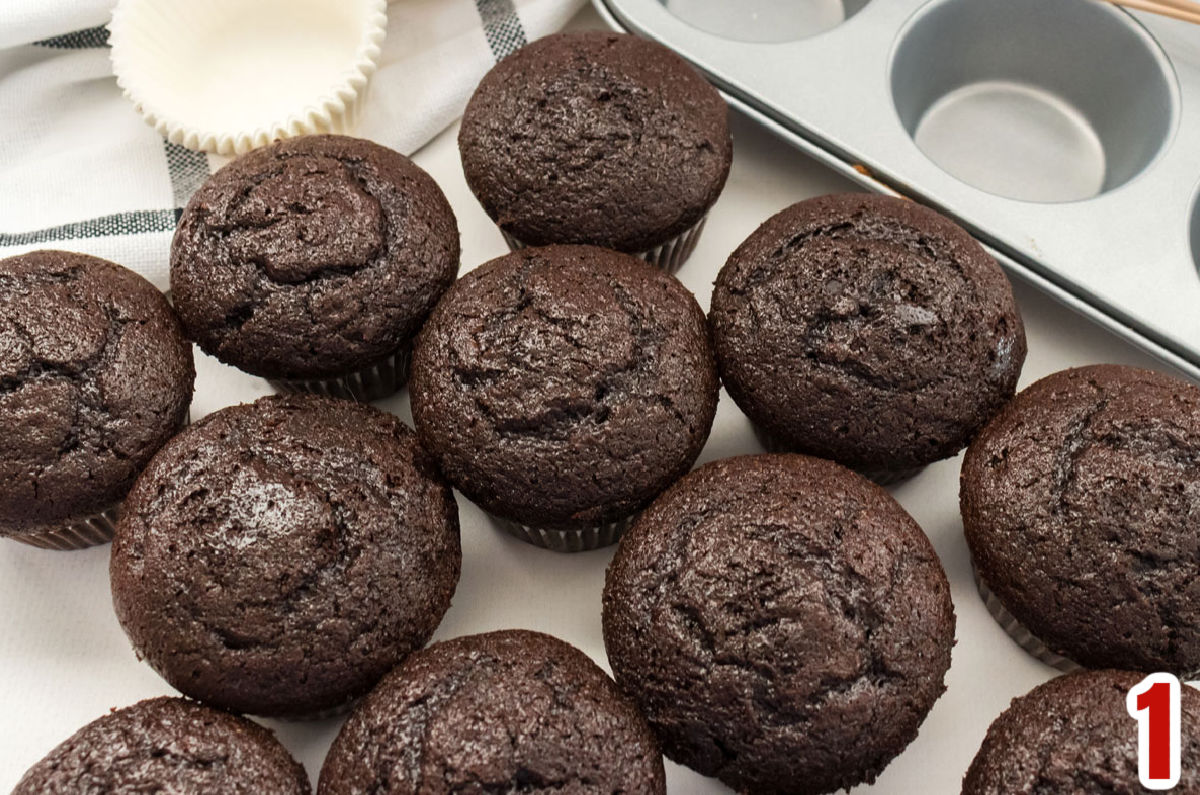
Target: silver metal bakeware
<point>1064,134</point>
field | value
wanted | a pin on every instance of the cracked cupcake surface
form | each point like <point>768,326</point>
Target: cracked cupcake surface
<point>168,745</point>
<point>867,330</point>
<point>599,138</point>
<point>95,376</point>
<point>508,711</point>
<point>1080,504</point>
<point>564,387</point>
<point>782,623</point>
<point>1074,734</point>
<point>312,257</point>
<point>278,558</point>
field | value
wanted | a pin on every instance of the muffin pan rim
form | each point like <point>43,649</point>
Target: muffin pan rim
<point>855,7</point>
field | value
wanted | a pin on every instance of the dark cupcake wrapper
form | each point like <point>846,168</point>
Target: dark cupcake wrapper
<point>375,382</point>
<point>89,531</point>
<point>1027,640</point>
<point>669,256</point>
<point>82,533</point>
<point>1017,631</point>
<point>584,540</point>
<point>880,476</point>
<point>336,711</point>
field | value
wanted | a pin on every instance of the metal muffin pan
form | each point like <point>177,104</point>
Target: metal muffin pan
<point>1061,133</point>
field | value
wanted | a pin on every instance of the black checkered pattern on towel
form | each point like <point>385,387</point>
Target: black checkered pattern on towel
<point>188,169</point>
<point>77,40</point>
<point>502,26</point>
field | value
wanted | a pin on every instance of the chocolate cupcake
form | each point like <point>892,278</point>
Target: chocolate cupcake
<point>562,388</point>
<point>510,711</point>
<point>1073,734</point>
<point>782,623</point>
<point>313,262</point>
<point>278,558</point>
<point>598,138</point>
<point>167,745</point>
<point>1080,505</point>
<point>867,330</point>
<point>96,378</point>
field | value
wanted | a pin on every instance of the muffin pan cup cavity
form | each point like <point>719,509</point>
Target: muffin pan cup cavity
<point>1025,99</point>
<point>1194,229</point>
<point>1029,99</point>
<point>1061,134</point>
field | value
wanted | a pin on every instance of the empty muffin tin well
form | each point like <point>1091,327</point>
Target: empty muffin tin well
<point>1009,98</point>
<point>1058,132</point>
<point>765,20</point>
<point>1194,229</point>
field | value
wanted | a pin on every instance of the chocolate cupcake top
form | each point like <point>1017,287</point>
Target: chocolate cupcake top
<point>167,745</point>
<point>595,137</point>
<point>1073,734</point>
<point>1080,505</point>
<point>312,257</point>
<point>509,711</point>
<point>566,386</point>
<point>868,330</point>
<point>95,376</point>
<point>782,623</point>
<point>278,558</point>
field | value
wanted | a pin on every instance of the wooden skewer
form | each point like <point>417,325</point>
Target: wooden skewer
<point>1176,9</point>
<point>1182,5</point>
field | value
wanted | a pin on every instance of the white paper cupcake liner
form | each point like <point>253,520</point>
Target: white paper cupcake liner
<point>669,257</point>
<point>584,540</point>
<point>375,382</point>
<point>227,76</point>
<point>878,476</point>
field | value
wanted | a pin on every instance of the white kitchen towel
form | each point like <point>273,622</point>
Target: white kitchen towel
<point>80,170</point>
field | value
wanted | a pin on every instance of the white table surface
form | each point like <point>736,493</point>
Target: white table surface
<point>65,660</point>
